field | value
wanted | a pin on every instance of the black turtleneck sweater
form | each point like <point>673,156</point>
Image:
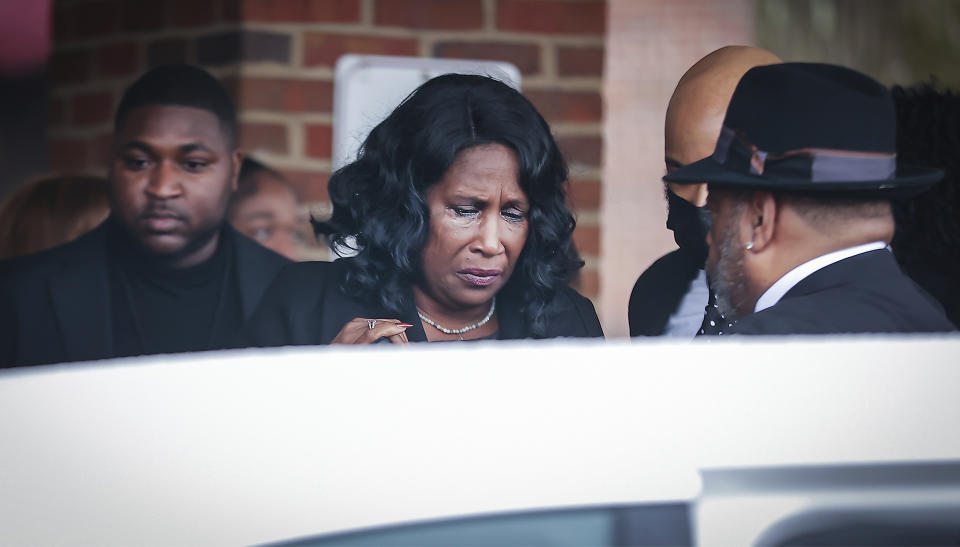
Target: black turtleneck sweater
<point>158,309</point>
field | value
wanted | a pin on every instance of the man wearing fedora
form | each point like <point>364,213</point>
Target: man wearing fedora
<point>799,188</point>
<point>669,298</point>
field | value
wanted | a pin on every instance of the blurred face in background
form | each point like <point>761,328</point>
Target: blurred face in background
<point>171,175</point>
<point>269,216</point>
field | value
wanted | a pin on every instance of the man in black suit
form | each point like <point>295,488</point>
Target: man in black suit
<point>164,273</point>
<point>669,298</point>
<point>799,188</point>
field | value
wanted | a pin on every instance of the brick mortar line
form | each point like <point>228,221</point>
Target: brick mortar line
<point>284,161</point>
<point>433,35</point>
<point>145,36</point>
<point>562,83</point>
<point>115,83</point>
<point>548,57</point>
<point>267,69</point>
<point>489,15</point>
<point>584,172</point>
<point>579,170</point>
<point>434,38</point>
<point>296,49</point>
<point>273,116</point>
<point>571,129</point>
<point>565,131</point>
<point>588,217</point>
<point>322,73</point>
<point>476,35</point>
<point>296,70</point>
<point>561,129</point>
<point>550,61</point>
<point>424,47</point>
<point>297,141</point>
<point>366,12</point>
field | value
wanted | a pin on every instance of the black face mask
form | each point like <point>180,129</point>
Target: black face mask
<point>690,225</point>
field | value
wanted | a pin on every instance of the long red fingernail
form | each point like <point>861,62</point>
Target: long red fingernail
<point>404,325</point>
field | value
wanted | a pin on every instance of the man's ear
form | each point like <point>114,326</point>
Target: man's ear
<point>237,158</point>
<point>762,219</point>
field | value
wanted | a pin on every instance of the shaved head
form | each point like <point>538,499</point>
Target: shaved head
<point>698,105</point>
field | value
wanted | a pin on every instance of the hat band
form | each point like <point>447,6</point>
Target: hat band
<point>813,164</point>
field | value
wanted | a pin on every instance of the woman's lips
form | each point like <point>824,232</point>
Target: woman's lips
<point>480,278</point>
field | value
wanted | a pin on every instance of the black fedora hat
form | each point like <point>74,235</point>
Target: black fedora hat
<point>809,128</point>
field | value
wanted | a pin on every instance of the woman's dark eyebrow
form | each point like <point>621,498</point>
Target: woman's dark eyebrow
<point>472,198</point>
<point>519,202</point>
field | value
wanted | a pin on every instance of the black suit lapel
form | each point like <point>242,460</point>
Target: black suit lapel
<point>511,325</point>
<point>80,295</point>
<point>254,266</point>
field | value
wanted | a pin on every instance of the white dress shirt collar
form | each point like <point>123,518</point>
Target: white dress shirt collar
<point>776,291</point>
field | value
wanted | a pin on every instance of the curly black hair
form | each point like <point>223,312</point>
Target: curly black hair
<point>927,238</point>
<point>379,205</point>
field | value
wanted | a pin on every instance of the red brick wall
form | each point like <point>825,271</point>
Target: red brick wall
<point>100,46</point>
<point>277,58</point>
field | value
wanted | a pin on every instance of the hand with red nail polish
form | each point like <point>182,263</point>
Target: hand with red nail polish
<point>360,330</point>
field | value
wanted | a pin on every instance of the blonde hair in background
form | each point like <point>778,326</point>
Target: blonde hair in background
<point>50,211</point>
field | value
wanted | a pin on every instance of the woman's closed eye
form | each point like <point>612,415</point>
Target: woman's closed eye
<point>465,211</point>
<point>513,214</point>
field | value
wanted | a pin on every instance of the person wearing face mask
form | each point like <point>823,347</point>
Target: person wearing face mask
<point>671,296</point>
<point>455,210</point>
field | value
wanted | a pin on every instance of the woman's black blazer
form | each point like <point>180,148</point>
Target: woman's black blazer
<point>306,306</point>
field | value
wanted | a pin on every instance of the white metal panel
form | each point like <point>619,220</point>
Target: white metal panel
<point>260,445</point>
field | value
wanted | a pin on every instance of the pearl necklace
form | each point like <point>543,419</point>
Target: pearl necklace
<point>459,332</point>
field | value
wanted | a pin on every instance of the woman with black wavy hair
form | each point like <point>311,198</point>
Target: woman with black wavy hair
<point>455,210</point>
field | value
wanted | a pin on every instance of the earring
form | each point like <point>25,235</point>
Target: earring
<point>749,245</point>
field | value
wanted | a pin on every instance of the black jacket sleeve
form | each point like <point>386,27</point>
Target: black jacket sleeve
<point>580,319</point>
<point>289,312</point>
